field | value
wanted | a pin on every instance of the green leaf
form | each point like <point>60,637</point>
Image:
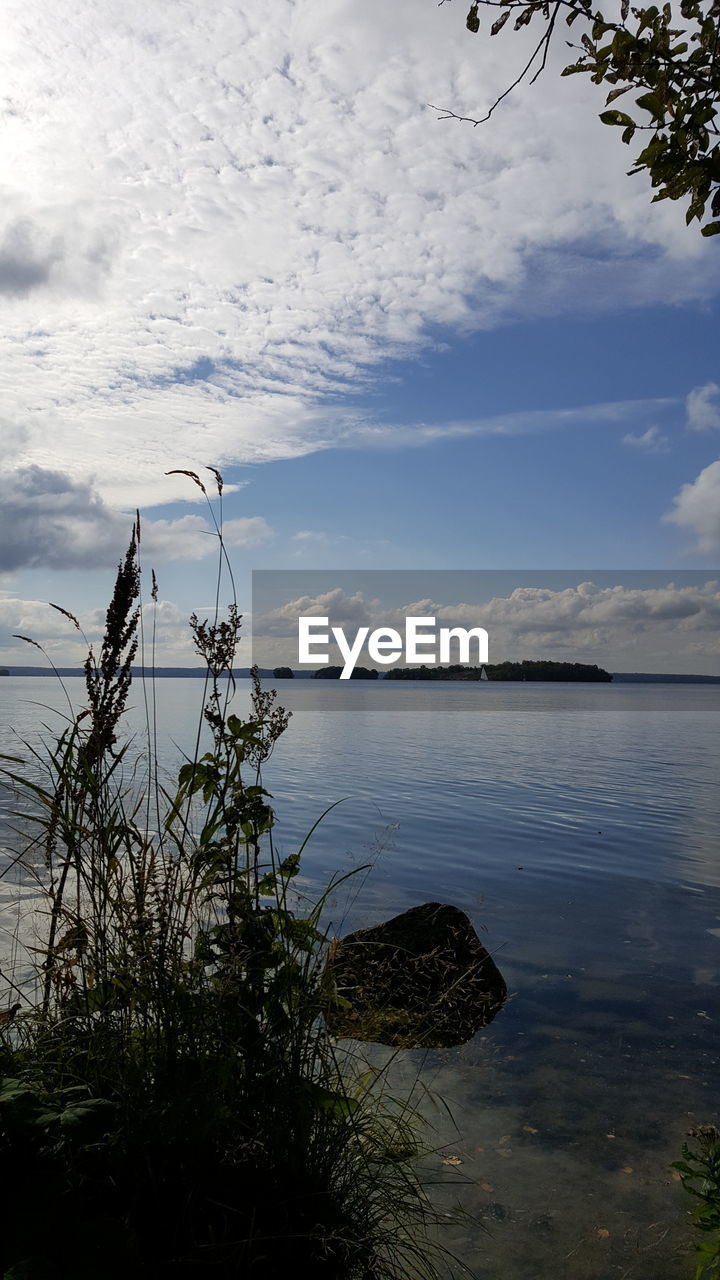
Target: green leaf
<point>341,1001</point>
<point>710,229</point>
<point>618,118</point>
<point>472,22</point>
<point>704,113</point>
<point>23,1107</point>
<point>339,1103</point>
<point>652,103</point>
<point>12,1090</point>
<point>290,866</point>
<point>242,728</point>
<point>87,1113</point>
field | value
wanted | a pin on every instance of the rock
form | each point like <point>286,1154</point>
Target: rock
<point>421,979</point>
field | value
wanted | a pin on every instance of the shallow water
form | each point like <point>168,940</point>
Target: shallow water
<point>578,826</point>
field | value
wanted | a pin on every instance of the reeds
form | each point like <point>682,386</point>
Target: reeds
<point>172,1103</point>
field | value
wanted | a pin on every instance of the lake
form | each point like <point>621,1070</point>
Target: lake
<point>578,826</point>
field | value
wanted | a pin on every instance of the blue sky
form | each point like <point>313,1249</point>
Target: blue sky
<point>561,492</point>
<point>405,343</point>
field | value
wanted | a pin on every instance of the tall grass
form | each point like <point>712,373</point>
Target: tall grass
<point>172,1103</point>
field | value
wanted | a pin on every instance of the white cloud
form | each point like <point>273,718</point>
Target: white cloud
<point>527,422</point>
<point>13,438</point>
<point>192,538</point>
<point>703,408</point>
<point>650,441</point>
<point>213,223</point>
<point>670,627</point>
<point>51,250</point>
<point>697,507</point>
<point>343,609</point>
<point>29,616</point>
<point>47,519</point>
<point>38,622</point>
<point>526,609</point>
<point>24,264</point>
<point>588,607</point>
<point>247,531</point>
<point>51,521</point>
<point>61,642</point>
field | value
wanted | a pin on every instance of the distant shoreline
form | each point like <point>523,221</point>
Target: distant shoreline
<point>243,673</point>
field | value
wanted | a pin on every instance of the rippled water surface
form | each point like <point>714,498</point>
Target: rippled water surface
<point>578,826</point>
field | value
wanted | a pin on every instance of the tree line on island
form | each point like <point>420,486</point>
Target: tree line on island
<point>525,670</point>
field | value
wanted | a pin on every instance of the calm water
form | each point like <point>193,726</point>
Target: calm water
<point>578,826</point>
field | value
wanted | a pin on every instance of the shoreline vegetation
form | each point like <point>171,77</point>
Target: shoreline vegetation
<point>565,671</point>
<point>172,1103</point>
<point>568,672</point>
<point>456,673</point>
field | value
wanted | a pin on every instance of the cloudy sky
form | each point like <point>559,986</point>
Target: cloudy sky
<point>619,620</point>
<point>239,237</point>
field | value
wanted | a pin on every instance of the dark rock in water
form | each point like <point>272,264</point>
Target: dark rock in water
<point>421,979</point>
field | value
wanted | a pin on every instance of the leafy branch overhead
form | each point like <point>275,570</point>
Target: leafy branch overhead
<point>669,57</point>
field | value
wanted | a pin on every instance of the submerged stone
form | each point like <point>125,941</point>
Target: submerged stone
<point>422,979</point>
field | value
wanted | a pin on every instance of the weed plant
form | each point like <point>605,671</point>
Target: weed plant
<point>699,1170</point>
<point>171,1102</point>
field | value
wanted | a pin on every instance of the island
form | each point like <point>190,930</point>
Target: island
<point>525,670</point>
<point>357,673</point>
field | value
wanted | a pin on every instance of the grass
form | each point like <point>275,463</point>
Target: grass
<point>172,1104</point>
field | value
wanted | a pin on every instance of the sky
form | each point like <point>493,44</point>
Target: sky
<point>246,241</point>
<point>619,620</point>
